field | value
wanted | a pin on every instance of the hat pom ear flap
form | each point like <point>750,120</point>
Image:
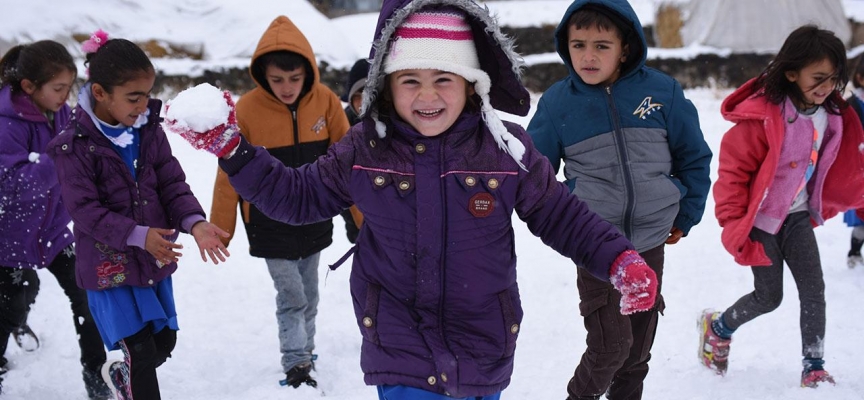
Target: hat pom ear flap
<point>506,141</point>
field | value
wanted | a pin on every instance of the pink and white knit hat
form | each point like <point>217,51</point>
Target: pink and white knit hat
<point>441,38</point>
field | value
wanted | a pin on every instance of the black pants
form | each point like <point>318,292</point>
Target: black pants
<point>795,244</point>
<point>618,346</point>
<point>144,352</point>
<point>19,288</point>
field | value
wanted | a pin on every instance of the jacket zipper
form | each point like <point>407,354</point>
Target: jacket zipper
<point>296,150</point>
<point>626,173</point>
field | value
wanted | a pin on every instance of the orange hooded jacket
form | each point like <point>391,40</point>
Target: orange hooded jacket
<point>294,137</point>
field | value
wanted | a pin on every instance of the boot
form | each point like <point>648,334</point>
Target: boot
<point>25,338</point>
<point>299,375</point>
<point>96,387</point>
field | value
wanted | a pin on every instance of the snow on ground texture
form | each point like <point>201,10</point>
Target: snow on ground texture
<point>228,349</point>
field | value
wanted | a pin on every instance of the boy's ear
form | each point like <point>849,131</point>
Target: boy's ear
<point>28,86</point>
<point>625,52</point>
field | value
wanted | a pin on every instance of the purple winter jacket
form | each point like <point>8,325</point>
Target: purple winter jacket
<point>434,270</point>
<point>33,221</point>
<point>106,204</point>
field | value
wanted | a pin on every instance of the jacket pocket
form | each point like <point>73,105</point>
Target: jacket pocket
<point>512,322</point>
<point>369,320</point>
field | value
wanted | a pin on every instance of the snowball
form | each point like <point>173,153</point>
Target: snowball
<point>200,108</point>
<point>33,157</point>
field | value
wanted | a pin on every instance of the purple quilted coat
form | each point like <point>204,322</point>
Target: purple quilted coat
<point>33,221</point>
<point>434,270</point>
<point>106,203</point>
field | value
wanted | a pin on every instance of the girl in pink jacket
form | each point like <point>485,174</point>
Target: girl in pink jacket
<point>790,162</point>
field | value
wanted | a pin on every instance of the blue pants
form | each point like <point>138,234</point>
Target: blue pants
<point>296,283</point>
<point>387,392</point>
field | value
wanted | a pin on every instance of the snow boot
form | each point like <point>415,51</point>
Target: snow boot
<point>116,376</point>
<point>713,350</point>
<point>812,378</point>
<point>25,338</point>
<point>96,387</point>
<point>299,375</point>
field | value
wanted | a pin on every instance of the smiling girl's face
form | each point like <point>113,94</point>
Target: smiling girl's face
<point>429,100</point>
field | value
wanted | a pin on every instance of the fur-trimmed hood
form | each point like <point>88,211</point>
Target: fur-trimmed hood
<point>495,50</point>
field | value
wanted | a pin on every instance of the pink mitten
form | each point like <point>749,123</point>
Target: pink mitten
<point>636,281</point>
<point>205,117</point>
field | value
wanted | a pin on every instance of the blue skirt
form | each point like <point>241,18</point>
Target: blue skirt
<point>123,311</point>
<point>851,219</point>
<point>401,392</point>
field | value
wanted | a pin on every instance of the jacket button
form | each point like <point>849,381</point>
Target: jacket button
<point>379,180</point>
<point>431,380</point>
<point>144,202</point>
<point>64,147</point>
<point>493,183</point>
<point>793,164</point>
<point>372,143</point>
<point>420,148</point>
<point>92,148</point>
<point>470,181</point>
<point>150,282</point>
<point>404,185</point>
<point>135,203</point>
<point>444,377</point>
<point>367,322</point>
<point>514,329</point>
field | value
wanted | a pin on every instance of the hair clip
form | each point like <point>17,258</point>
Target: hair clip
<point>97,40</point>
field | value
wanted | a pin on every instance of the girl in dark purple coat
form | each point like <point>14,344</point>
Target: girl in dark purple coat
<point>36,80</point>
<point>128,199</point>
<point>437,176</point>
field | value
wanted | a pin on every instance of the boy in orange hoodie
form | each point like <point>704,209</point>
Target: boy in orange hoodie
<point>296,117</point>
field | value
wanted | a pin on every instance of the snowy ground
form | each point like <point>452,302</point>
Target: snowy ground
<point>228,349</point>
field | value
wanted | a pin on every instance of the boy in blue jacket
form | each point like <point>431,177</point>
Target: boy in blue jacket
<point>633,150</point>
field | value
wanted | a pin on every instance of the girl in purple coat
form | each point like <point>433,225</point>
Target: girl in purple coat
<point>128,199</point>
<point>437,176</point>
<point>36,80</point>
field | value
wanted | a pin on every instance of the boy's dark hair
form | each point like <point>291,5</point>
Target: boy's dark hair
<point>116,62</point>
<point>859,71</point>
<point>603,18</point>
<point>37,62</point>
<point>284,60</point>
<point>804,46</point>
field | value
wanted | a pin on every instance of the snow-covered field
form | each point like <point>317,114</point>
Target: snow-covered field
<point>228,347</point>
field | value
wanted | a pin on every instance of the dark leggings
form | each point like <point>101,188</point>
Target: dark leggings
<point>795,244</point>
<point>20,287</point>
<point>144,352</point>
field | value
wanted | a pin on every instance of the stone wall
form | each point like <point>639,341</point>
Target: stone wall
<point>706,70</point>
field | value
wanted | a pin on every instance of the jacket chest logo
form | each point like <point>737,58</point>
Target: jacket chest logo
<point>481,205</point>
<point>646,107</point>
<point>319,125</point>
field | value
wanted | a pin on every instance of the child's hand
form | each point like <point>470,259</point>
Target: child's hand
<point>636,281</point>
<point>674,235</point>
<point>162,249</point>
<point>207,236</point>
<point>205,117</point>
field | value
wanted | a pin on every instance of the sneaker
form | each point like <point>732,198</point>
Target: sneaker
<point>96,387</point>
<point>854,260</point>
<point>116,376</point>
<point>25,338</point>
<point>299,375</point>
<point>713,350</point>
<point>812,378</point>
